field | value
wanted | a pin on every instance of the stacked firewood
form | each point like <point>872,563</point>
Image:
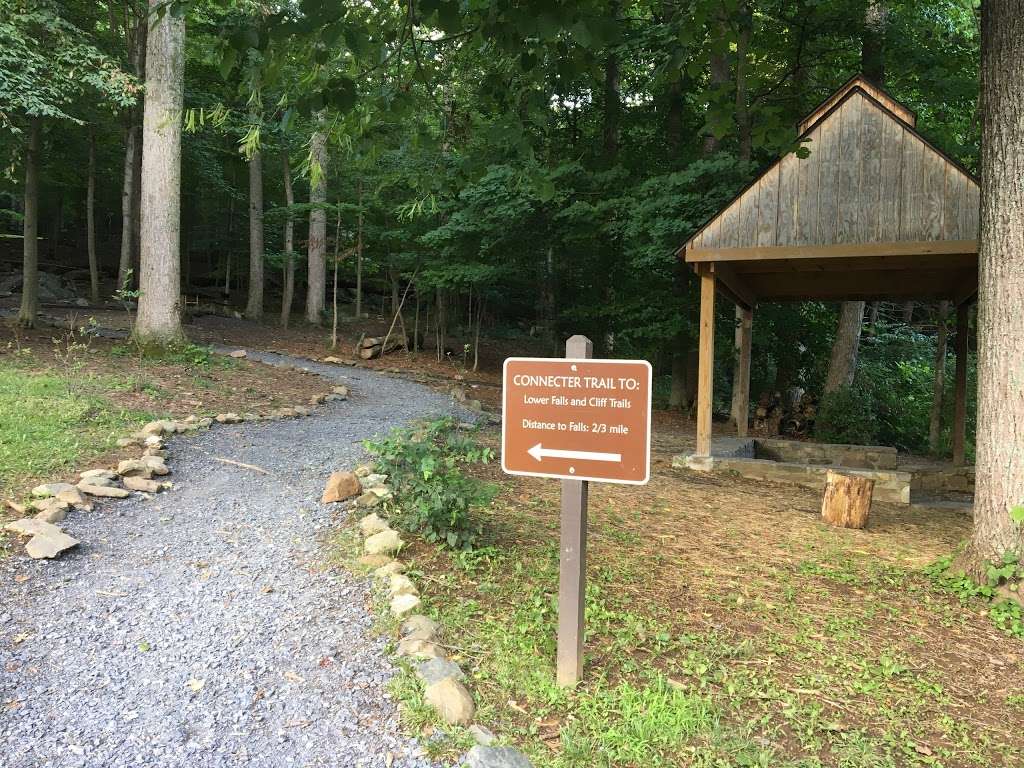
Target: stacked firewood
<point>792,415</point>
<point>768,414</point>
<point>799,420</point>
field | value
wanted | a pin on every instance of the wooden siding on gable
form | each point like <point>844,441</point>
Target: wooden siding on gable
<point>868,179</point>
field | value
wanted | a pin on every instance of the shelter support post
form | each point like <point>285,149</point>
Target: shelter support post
<point>960,388</point>
<point>706,361</point>
<point>741,370</point>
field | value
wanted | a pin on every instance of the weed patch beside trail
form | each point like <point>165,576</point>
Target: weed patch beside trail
<point>45,428</point>
<point>727,626</point>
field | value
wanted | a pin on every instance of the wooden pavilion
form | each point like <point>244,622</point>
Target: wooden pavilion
<point>873,212</point>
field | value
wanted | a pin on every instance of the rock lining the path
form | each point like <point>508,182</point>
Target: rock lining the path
<point>482,756</point>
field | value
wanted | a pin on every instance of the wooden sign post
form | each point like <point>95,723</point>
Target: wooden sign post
<point>578,420</point>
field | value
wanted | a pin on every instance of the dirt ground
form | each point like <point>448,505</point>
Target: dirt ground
<point>829,646</point>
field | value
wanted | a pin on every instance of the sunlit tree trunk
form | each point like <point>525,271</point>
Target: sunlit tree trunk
<point>317,253</point>
<point>90,224</point>
<point>254,306</point>
<point>289,246</point>
<point>131,173</point>
<point>843,365</point>
<point>159,317</point>
<point>30,227</point>
<point>1000,434</point>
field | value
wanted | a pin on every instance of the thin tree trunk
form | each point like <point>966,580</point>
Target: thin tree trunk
<point>90,224</point>
<point>939,384</point>
<point>159,316</point>
<point>30,227</point>
<point>289,246</point>
<point>999,489</point>
<point>254,307</point>
<point>908,312</point>
<point>334,291</point>
<point>359,255</point>
<point>440,323</point>
<point>843,365</point>
<point>719,74</point>
<point>316,273</point>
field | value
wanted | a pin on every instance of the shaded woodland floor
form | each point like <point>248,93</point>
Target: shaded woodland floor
<point>727,626</point>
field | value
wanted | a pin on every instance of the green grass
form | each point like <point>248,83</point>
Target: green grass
<point>47,430</point>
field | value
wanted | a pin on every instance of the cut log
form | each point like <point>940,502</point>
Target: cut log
<point>847,500</point>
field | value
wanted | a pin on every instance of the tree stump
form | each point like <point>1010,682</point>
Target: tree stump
<point>847,500</point>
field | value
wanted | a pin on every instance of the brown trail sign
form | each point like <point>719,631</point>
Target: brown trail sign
<point>576,419</point>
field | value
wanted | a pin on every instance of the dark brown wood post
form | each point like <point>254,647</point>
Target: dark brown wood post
<point>706,363</point>
<point>960,389</point>
<point>572,560</point>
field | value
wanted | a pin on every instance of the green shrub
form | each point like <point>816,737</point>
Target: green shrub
<point>847,416</point>
<point>433,496</point>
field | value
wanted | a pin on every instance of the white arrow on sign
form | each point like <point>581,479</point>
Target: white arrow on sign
<point>539,452</point>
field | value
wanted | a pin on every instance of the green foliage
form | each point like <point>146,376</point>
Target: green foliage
<point>1006,576</point>
<point>434,497</point>
<point>847,416</point>
<point>47,428</point>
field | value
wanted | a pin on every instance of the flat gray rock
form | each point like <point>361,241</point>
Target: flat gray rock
<point>496,757</point>
<point>435,670</point>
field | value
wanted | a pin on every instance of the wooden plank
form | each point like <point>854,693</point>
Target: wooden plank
<point>828,176</point>
<point>706,362</point>
<point>960,386</point>
<point>848,175</point>
<point>710,237</point>
<point>951,199</point>
<point>746,226</point>
<point>970,211</point>
<point>786,229</point>
<point>891,181</point>
<point>933,191</point>
<point>843,251</point>
<point>869,201</point>
<point>806,208</point>
<point>861,285</point>
<point>726,274</point>
<point>912,217</point>
<point>768,207</point>
<point>941,261</point>
<point>741,371</point>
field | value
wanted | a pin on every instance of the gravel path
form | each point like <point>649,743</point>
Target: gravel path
<point>199,628</point>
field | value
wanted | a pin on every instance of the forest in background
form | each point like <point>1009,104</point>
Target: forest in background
<point>516,170</point>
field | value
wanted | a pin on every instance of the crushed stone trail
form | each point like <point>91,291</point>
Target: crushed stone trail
<point>201,627</point>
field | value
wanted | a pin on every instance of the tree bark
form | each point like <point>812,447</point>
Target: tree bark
<point>359,255</point>
<point>719,74</point>
<point>1000,461</point>
<point>254,306</point>
<point>132,172</point>
<point>159,316</point>
<point>128,194</point>
<point>939,384</point>
<point>872,50</point>
<point>90,224</point>
<point>317,253</point>
<point>846,502</point>
<point>745,16</point>
<point>843,365</point>
<point>289,246</point>
<point>30,227</point>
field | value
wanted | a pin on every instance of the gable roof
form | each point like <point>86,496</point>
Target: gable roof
<point>870,177</point>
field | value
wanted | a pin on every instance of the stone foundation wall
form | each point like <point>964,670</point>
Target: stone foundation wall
<point>826,454</point>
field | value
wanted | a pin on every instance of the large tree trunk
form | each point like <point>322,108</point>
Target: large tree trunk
<point>90,224</point>
<point>719,73</point>
<point>745,18</point>
<point>159,317</point>
<point>317,254</point>
<point>289,246</point>
<point>999,485</point>
<point>30,227</point>
<point>939,385</point>
<point>843,365</point>
<point>359,256</point>
<point>132,173</point>
<point>872,50</point>
<point>254,307</point>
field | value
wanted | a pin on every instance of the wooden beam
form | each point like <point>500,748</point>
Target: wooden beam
<point>741,293</point>
<point>932,263</point>
<point>960,386</point>
<point>706,362</point>
<point>861,284</point>
<point>842,251</point>
<point>741,371</point>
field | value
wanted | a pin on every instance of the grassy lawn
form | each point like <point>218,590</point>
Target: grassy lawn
<point>726,626</point>
<point>47,430</point>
